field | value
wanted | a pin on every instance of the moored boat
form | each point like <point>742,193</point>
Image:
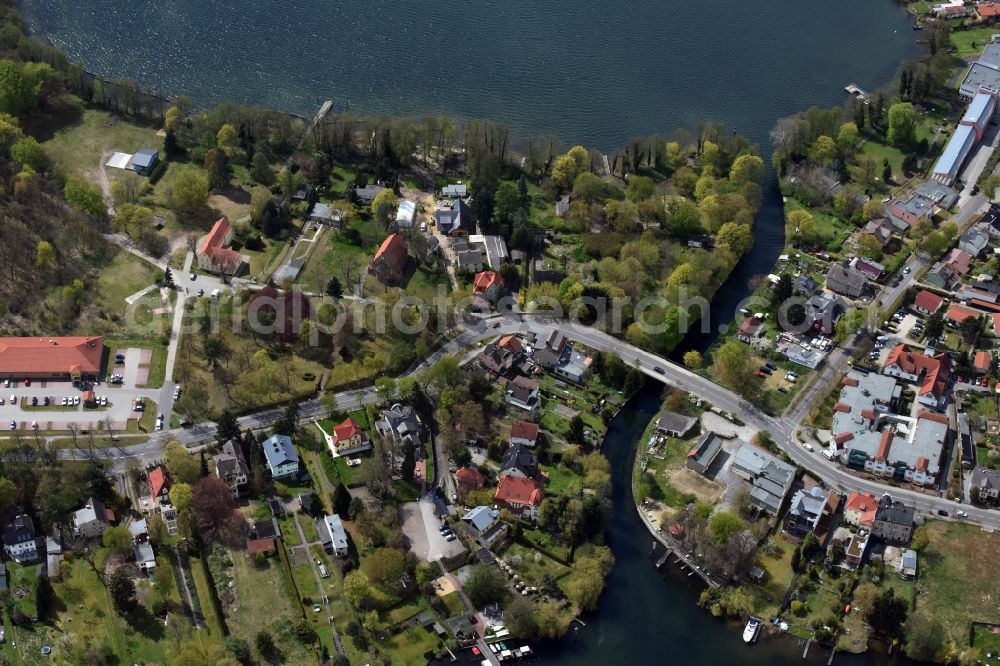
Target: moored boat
<point>750,631</point>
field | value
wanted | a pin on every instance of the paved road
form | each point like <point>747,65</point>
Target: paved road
<point>782,429</point>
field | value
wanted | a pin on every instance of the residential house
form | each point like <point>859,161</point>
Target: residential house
<point>139,530</point>
<point>367,193</point>
<point>487,283</point>
<point>846,281</point>
<point>231,468</point>
<point>770,477</point>
<point>704,453</point>
<point>958,260</point>
<point>929,198</point>
<point>854,554</point>
<point>402,425</point>
<point>348,437</point>
<point>927,302</point>
<point>521,495</point>
<point>282,461</point>
<point>974,242</point>
<point>933,373</point>
<point>824,310</point>
<point>987,481</point>
<point>988,12</point>
<point>809,358</point>
<point>389,261</point>
<point>676,425</point>
<point>456,219</point>
<point>468,478</point>
<point>523,433</point>
<point>20,541</point>
<point>484,523</point>
<point>471,260</point>
<point>990,221</point>
<point>956,314</point>
<point>981,362</point>
<point>860,509</point>
<point>455,191</point>
<point>322,213</point>
<point>804,285</point>
<point>881,230</point>
<point>523,394</point>
<point>213,253</point>
<point>159,482</point>
<point>91,521</point>
<point>551,354</point>
<point>500,356</point>
<point>893,521</point>
<point>517,460</point>
<point>941,276</point>
<point>869,268</point>
<point>332,535</point>
<point>573,365</point>
<point>144,557</point>
<point>750,330</point>
<point>811,511</point>
<point>144,161</point>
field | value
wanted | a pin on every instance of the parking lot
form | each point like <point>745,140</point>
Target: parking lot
<point>17,407</point>
<point>421,526</point>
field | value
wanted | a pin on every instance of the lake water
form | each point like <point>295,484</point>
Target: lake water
<point>591,72</point>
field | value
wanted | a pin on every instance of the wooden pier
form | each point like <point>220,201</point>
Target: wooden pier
<point>857,91</point>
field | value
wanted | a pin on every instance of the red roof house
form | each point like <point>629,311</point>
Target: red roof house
<point>927,302</point>
<point>958,260</point>
<point>212,253</point>
<point>348,437</point>
<point>522,432</point>
<point>751,329</point>
<point>469,478</point>
<point>931,372</point>
<point>521,495</point>
<point>51,357</point>
<point>988,10</point>
<point>159,483</point>
<point>981,361</point>
<point>484,281</point>
<point>956,314</point>
<point>265,546</point>
<point>858,504</point>
<point>389,261</point>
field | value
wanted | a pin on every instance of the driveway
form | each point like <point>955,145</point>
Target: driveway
<point>420,525</point>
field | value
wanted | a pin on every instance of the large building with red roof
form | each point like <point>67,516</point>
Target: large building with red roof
<point>932,373</point>
<point>389,261</point>
<point>521,495</point>
<point>51,358</point>
<point>927,302</point>
<point>860,509</point>
<point>882,442</point>
<point>159,486</point>
<point>213,253</point>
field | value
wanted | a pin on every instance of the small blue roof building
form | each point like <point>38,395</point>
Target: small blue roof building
<point>144,161</point>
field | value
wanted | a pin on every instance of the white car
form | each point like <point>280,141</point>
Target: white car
<point>65,401</point>
<point>34,425</point>
<point>961,514</point>
<point>76,400</point>
<point>13,399</point>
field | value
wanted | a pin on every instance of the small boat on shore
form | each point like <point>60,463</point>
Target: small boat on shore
<point>751,630</point>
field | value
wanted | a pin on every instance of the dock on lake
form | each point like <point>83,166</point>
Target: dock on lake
<point>857,91</point>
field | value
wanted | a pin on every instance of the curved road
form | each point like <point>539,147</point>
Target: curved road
<point>782,429</point>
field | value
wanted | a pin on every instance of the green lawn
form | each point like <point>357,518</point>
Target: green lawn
<point>957,581</point>
<point>532,565</point>
<point>78,146</point>
<point>199,572</point>
<point>562,481</point>
<point>22,586</point>
<point>880,151</point>
<point>125,275</point>
<point>984,406</point>
<point>971,42</point>
<point>264,602</point>
<point>329,260</point>
<point>410,646</point>
<point>453,602</point>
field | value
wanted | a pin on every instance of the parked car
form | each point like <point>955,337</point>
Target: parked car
<point>34,401</point>
<point>13,399</point>
<point>13,425</point>
<point>942,512</point>
<point>961,514</point>
<point>906,271</point>
<point>46,401</point>
<point>27,382</point>
<point>761,374</point>
<point>65,401</point>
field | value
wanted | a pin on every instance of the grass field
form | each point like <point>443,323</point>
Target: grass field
<point>562,481</point>
<point>880,151</point>
<point>125,275</point>
<point>199,571</point>
<point>971,42</point>
<point>263,602</point>
<point>957,581</point>
<point>532,565</point>
<point>78,146</point>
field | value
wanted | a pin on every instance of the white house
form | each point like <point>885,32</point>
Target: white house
<point>144,557</point>
<point>282,460</point>
<point>231,468</point>
<point>332,535</point>
<point>91,521</point>
<point>20,541</point>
